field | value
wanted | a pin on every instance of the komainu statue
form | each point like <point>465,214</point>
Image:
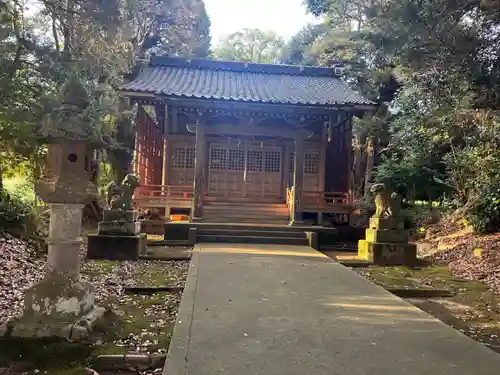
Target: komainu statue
<point>119,197</point>
<point>387,205</point>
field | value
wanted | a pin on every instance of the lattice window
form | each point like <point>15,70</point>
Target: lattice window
<point>291,161</point>
<point>190,156</point>
<point>236,160</point>
<point>218,158</point>
<point>311,163</point>
<point>179,158</point>
<point>183,158</point>
<point>272,161</point>
<point>254,161</point>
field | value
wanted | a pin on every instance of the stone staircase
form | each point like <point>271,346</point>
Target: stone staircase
<point>254,234</point>
<point>246,213</point>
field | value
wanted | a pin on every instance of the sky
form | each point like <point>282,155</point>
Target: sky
<point>285,17</point>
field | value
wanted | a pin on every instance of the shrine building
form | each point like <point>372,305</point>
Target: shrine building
<point>236,142</point>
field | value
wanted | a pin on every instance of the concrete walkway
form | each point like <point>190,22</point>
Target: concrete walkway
<point>281,310</point>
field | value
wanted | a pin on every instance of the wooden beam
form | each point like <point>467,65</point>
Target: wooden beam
<point>298,179</point>
<point>199,167</point>
<point>290,110</point>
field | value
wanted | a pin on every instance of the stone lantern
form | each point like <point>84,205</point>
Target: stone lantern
<point>61,305</point>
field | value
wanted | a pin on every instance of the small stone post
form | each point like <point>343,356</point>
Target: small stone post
<point>61,305</point>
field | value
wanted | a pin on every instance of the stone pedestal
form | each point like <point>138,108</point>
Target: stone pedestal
<point>386,243</point>
<point>118,237</point>
<point>61,305</point>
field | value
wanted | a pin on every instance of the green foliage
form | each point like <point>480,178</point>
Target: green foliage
<point>485,213</point>
<point>21,185</point>
<point>297,50</point>
<point>252,45</point>
<point>433,66</point>
<point>63,49</point>
<point>16,215</point>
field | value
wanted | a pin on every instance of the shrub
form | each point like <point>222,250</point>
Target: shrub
<point>16,216</point>
<point>485,213</point>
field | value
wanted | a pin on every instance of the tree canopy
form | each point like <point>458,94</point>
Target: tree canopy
<point>433,68</point>
<point>251,45</point>
<point>56,52</point>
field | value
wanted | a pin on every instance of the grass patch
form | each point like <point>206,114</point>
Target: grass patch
<point>143,324</point>
<point>437,277</point>
<point>43,355</point>
<point>98,268</point>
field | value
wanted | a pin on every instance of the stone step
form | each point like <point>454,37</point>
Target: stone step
<point>239,226</point>
<point>243,204</point>
<point>253,240</point>
<point>242,213</point>
<point>248,220</point>
<point>251,233</point>
<point>245,209</point>
<point>341,246</point>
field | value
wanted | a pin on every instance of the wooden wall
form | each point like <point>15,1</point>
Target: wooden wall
<point>338,157</point>
<point>334,156</point>
<point>148,157</point>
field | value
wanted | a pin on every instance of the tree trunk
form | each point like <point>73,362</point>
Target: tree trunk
<point>370,161</point>
<point>1,180</point>
<point>358,168</point>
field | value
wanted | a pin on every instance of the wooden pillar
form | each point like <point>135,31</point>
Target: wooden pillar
<point>164,166</point>
<point>298,178</point>
<point>199,167</point>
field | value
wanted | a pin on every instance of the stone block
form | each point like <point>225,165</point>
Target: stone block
<point>116,247</point>
<point>390,236</point>
<point>192,233</point>
<point>387,254</point>
<point>53,308</point>
<point>313,239</point>
<point>119,215</point>
<point>386,223</point>
<point>153,227</point>
<point>119,228</point>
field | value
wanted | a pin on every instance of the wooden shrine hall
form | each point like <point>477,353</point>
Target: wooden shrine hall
<point>237,142</point>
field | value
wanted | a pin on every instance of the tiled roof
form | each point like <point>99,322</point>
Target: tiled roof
<point>209,79</point>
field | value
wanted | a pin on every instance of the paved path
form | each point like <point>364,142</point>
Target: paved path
<point>281,310</point>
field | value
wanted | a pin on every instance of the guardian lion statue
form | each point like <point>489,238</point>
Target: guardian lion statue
<point>119,197</point>
<point>386,205</point>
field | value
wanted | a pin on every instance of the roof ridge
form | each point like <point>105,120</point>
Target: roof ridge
<point>241,66</point>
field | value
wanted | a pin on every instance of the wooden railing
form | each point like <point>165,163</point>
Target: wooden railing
<point>328,198</point>
<point>168,192</point>
<point>321,201</point>
<point>319,197</point>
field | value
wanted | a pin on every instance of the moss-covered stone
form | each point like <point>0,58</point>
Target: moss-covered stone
<point>390,236</point>
<point>116,247</point>
<point>387,253</point>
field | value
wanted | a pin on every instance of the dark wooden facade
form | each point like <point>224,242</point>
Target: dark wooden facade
<point>207,144</point>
